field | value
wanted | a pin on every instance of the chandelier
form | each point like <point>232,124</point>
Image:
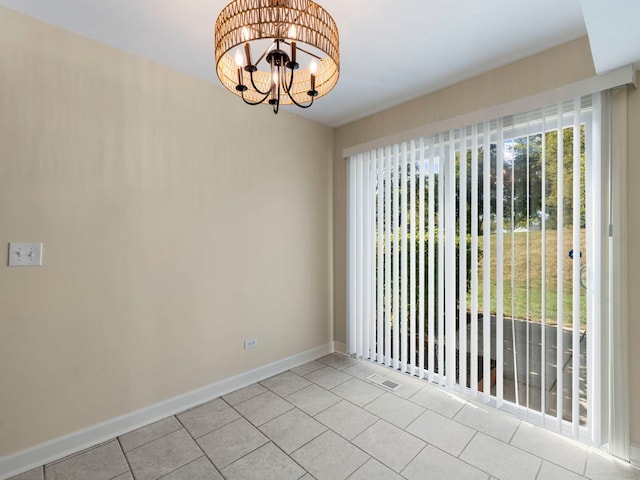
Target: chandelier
<point>277,52</point>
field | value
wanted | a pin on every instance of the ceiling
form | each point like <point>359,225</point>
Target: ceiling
<point>391,51</point>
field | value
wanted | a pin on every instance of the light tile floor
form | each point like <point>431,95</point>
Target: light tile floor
<point>325,421</point>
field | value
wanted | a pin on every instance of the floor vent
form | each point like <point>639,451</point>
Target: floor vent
<point>385,382</point>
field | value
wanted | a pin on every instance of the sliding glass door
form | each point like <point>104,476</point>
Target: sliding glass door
<point>473,260</point>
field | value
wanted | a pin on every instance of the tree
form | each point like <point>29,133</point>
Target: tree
<point>551,154</point>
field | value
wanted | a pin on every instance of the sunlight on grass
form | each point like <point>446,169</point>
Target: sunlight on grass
<point>523,296</point>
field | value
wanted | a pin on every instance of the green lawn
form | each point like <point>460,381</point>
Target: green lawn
<point>523,296</point>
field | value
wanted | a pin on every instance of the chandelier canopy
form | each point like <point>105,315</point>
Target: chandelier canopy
<point>278,52</point>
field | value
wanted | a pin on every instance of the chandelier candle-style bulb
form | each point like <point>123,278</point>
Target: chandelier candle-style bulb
<point>313,68</point>
<point>292,34</point>
<point>239,64</point>
<point>238,59</point>
<point>247,55</point>
<point>283,34</point>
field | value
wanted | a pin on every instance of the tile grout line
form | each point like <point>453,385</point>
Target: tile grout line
<point>358,434</point>
<point>539,469</point>
<point>264,423</point>
<point>543,459</point>
<point>462,459</point>
<point>120,474</point>
<point>246,399</point>
<point>288,455</point>
<point>175,469</point>
<point>201,449</point>
<point>189,463</point>
<point>151,441</point>
<point>323,410</point>
<point>522,450</point>
<point>514,434</point>
<point>426,444</point>
<point>295,391</point>
<point>378,459</point>
<point>326,429</point>
<point>266,436</point>
<point>507,444</point>
<point>466,446</point>
<point>81,452</point>
<point>354,446</point>
<point>329,389</point>
<point>126,459</point>
<point>583,475</point>
<point>586,462</point>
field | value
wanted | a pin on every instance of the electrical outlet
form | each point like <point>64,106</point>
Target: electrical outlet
<point>250,343</point>
<point>25,254</point>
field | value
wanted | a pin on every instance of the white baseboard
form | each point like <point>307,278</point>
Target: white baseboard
<point>634,453</point>
<point>340,347</point>
<point>75,442</point>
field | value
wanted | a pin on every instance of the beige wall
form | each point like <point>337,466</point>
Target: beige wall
<point>174,223</point>
<point>553,68</point>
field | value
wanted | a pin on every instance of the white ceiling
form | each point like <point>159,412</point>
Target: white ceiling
<point>614,32</point>
<point>391,51</point>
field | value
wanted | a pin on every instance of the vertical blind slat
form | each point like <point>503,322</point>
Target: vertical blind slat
<point>543,275</point>
<point>431,263</point>
<point>450,260</point>
<point>396,257</point>
<point>486,255</point>
<point>387,257</point>
<point>499,264</point>
<point>514,343</point>
<point>404,309</point>
<point>462,276</point>
<point>577,254</point>
<point>421,276</point>
<point>528,263</point>
<point>352,257</point>
<point>412,259</point>
<point>441,242</point>
<point>360,266</point>
<point>380,187</point>
<point>559,272</point>
<point>474,260</point>
<point>366,264</point>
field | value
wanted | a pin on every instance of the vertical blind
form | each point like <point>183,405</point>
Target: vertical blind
<point>473,260</point>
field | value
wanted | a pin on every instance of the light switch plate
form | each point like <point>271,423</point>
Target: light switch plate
<point>23,254</point>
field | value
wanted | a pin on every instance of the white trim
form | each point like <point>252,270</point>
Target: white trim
<point>75,442</point>
<point>635,454</point>
<point>621,76</point>
<point>340,347</point>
